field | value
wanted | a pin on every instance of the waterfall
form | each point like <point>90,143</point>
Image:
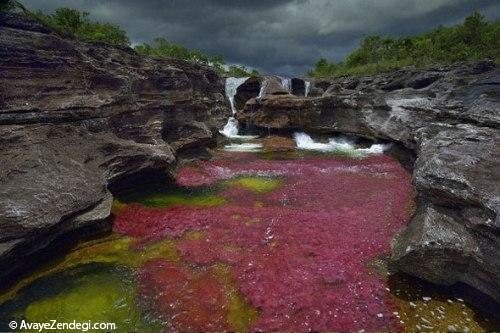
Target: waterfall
<point>232,84</point>
<point>307,87</point>
<point>286,83</point>
<point>263,87</point>
<point>230,130</point>
<point>305,142</point>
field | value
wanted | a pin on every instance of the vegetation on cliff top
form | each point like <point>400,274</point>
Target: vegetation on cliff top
<point>78,24</point>
<point>161,47</point>
<point>476,38</point>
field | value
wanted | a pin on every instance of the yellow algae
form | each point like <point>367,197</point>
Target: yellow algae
<point>103,250</point>
<point>253,221</point>
<point>240,314</point>
<point>231,248</point>
<point>258,204</point>
<point>193,235</point>
<point>256,184</point>
<point>165,249</point>
<point>113,249</point>
<point>99,296</point>
<point>117,206</point>
<point>432,310</point>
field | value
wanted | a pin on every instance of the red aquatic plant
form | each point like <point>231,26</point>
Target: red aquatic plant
<point>187,301</point>
<point>299,253</point>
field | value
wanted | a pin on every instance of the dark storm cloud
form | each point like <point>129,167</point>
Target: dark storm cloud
<point>278,36</point>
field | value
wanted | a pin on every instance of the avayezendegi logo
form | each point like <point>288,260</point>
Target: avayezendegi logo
<point>55,325</point>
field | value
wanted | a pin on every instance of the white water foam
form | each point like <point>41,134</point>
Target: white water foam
<point>263,87</point>
<point>243,147</point>
<point>232,84</point>
<point>286,83</point>
<point>231,129</point>
<point>307,87</point>
<point>305,142</point>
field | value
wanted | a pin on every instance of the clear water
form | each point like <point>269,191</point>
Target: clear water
<point>245,242</point>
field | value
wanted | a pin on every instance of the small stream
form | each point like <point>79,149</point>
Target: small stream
<point>249,241</point>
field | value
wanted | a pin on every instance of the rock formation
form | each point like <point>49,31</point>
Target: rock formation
<point>449,118</point>
<point>77,118</point>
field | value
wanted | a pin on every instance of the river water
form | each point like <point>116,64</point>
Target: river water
<point>261,241</point>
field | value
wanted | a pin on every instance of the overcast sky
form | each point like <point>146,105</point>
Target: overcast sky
<point>274,36</point>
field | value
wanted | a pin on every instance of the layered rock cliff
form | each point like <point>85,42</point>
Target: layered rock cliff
<point>77,118</point>
<point>447,119</point>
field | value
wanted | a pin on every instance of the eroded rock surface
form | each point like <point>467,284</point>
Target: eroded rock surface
<point>449,117</point>
<point>77,117</point>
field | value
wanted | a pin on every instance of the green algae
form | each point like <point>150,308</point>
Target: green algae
<point>95,293</point>
<point>163,200</point>
<point>110,250</point>
<point>164,195</point>
<point>256,184</point>
<point>240,314</point>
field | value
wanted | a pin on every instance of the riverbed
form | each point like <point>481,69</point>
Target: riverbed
<point>249,241</point>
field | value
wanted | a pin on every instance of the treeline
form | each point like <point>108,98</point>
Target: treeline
<point>78,24</point>
<point>160,47</point>
<point>476,38</point>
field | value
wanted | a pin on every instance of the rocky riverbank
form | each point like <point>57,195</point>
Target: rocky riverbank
<point>77,119</point>
<point>447,121</point>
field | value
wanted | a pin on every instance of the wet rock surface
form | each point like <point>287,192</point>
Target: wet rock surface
<point>449,118</point>
<point>86,116</point>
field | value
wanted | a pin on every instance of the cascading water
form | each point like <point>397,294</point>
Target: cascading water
<point>286,83</point>
<point>307,88</point>
<point>230,130</point>
<point>305,142</point>
<point>232,84</point>
<point>262,91</point>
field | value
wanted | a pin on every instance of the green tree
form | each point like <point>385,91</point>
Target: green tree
<point>69,20</point>
<point>476,38</point>
<point>161,47</point>
<point>7,5</point>
<point>78,24</point>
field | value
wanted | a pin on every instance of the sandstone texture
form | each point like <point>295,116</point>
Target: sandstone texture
<point>76,118</point>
